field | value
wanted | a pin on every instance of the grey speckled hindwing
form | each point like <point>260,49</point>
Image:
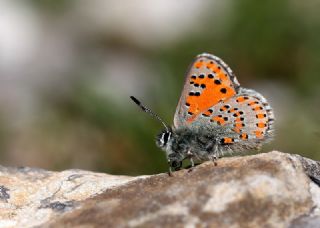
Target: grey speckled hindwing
<point>247,120</point>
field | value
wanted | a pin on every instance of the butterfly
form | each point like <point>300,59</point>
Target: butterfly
<point>215,116</point>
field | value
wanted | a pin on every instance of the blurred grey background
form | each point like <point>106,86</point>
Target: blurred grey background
<point>67,69</point>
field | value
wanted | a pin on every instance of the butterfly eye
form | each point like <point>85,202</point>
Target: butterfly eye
<point>163,138</point>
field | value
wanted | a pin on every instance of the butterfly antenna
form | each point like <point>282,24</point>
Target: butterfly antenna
<point>147,110</point>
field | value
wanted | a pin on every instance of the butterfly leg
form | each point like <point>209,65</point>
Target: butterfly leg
<point>215,156</point>
<point>170,169</point>
<point>170,172</point>
<point>215,159</point>
<point>192,162</point>
<point>190,156</point>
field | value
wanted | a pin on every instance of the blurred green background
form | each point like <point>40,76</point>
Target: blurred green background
<point>67,69</point>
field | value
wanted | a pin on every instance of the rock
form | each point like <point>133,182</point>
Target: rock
<point>30,197</point>
<point>265,190</point>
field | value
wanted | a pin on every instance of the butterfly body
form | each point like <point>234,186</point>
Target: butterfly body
<point>215,116</point>
<point>200,144</point>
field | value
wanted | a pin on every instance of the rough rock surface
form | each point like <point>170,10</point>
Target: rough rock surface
<point>265,190</point>
<point>30,197</point>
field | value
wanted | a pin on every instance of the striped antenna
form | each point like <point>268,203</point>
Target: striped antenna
<point>147,110</point>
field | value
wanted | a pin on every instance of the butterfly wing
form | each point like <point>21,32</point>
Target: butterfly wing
<point>212,97</point>
<point>248,116</point>
<point>208,81</point>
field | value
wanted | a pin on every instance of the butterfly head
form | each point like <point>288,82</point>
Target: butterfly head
<point>179,144</point>
<point>164,141</point>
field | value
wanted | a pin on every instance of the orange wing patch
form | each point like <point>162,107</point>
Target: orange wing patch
<point>227,140</point>
<point>219,119</point>
<point>244,136</point>
<point>238,126</point>
<point>198,64</point>
<point>215,86</point>
<point>259,134</point>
